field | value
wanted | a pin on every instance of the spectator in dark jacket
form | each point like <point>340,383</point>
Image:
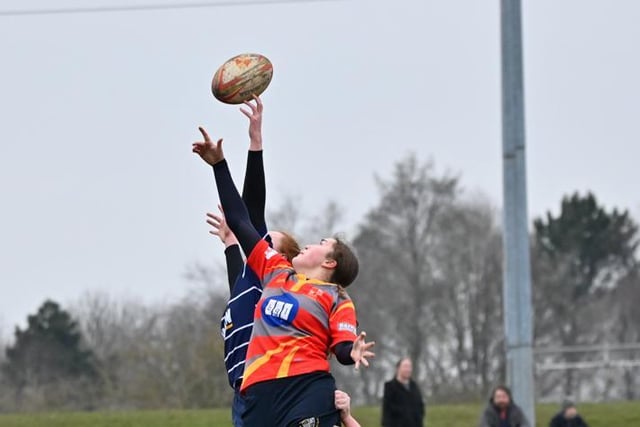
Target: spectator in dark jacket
<point>568,416</point>
<point>502,411</point>
<point>402,404</point>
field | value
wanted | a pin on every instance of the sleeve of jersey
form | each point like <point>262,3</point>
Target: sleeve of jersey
<point>342,322</point>
<point>266,262</point>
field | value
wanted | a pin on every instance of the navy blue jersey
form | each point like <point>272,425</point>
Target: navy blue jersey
<point>237,323</point>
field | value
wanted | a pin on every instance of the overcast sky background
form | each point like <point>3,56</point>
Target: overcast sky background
<point>100,191</point>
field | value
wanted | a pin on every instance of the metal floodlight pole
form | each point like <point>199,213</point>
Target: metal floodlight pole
<point>517,270</point>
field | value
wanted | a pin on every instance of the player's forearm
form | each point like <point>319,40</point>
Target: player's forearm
<point>235,263</point>
<point>342,351</point>
<point>255,142</point>
<point>254,191</point>
<point>235,211</point>
<point>349,421</point>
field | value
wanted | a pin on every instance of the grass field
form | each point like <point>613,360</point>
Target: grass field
<point>597,415</point>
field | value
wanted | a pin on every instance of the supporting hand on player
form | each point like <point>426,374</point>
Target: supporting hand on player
<point>209,151</point>
<point>255,122</point>
<point>221,229</point>
<point>343,404</point>
<point>360,351</point>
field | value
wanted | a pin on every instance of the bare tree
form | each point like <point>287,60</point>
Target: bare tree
<point>626,327</point>
<point>287,215</point>
<point>400,279</point>
<point>470,310</point>
<point>157,356</point>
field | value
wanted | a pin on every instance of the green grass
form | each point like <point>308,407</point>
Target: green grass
<point>204,418</point>
<point>597,415</point>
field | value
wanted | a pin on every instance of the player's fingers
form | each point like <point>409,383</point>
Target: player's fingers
<point>246,113</point>
<point>357,365</point>
<point>213,221</point>
<point>215,218</point>
<point>369,345</point>
<point>219,144</point>
<point>258,102</point>
<point>368,354</point>
<point>365,362</point>
<point>251,105</point>
<point>204,133</point>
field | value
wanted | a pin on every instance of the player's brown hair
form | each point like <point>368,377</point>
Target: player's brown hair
<point>347,266</point>
<point>290,247</point>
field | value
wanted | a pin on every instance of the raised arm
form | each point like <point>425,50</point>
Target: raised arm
<point>232,253</point>
<point>254,189</point>
<point>235,211</point>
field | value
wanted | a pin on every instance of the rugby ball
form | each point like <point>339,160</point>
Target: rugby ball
<point>242,76</point>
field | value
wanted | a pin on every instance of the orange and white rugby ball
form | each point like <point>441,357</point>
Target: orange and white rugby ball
<point>242,76</point>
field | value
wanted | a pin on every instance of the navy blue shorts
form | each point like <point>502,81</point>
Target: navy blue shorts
<point>301,401</point>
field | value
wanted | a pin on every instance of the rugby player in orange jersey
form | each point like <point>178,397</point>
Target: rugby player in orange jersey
<point>303,315</point>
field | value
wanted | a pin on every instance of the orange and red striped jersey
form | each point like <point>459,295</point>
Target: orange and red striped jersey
<point>297,322</point>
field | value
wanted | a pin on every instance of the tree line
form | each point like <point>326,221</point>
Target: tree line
<point>430,288</point>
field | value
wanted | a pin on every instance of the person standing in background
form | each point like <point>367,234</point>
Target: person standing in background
<point>402,404</point>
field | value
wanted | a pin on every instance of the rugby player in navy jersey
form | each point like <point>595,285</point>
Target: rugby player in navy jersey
<point>244,286</point>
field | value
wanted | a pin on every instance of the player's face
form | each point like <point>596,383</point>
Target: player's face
<point>314,255</point>
<point>501,399</point>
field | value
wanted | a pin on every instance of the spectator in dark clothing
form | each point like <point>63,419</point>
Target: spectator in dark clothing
<point>502,411</point>
<point>402,404</point>
<point>568,416</point>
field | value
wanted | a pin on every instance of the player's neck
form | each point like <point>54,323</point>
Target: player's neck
<point>317,273</point>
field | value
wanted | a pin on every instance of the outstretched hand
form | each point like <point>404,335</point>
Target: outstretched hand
<point>360,351</point>
<point>220,228</point>
<point>254,113</point>
<point>209,151</point>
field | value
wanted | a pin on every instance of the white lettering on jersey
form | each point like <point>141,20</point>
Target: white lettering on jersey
<point>228,322</point>
<point>269,308</point>
<point>286,310</point>
<point>269,253</point>
<point>344,326</point>
<point>278,308</point>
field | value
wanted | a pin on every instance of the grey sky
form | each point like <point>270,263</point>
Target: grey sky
<point>101,192</point>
